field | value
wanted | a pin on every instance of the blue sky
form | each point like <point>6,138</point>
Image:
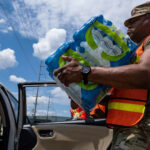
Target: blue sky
<point>31,29</point>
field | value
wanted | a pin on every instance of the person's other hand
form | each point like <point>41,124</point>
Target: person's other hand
<point>69,73</point>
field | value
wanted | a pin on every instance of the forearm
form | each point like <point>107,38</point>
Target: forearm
<point>129,76</point>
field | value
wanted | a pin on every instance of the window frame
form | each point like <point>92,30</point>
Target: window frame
<point>22,96</point>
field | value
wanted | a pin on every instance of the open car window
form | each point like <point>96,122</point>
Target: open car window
<point>47,104</point>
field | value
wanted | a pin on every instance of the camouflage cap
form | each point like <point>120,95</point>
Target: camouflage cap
<point>138,11</point>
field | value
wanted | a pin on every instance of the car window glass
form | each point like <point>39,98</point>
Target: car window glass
<point>47,104</point>
<point>14,103</point>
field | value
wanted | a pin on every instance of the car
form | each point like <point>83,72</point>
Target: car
<point>19,130</point>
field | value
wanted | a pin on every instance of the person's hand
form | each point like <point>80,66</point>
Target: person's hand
<point>69,73</point>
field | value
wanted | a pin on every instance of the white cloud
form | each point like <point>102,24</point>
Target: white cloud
<point>7,58</point>
<point>58,99</point>
<point>3,26</point>
<point>39,16</point>
<point>52,40</point>
<point>41,100</point>
<point>42,103</point>
<point>65,111</point>
<point>2,21</point>
<point>16,79</point>
<point>42,113</point>
<point>10,28</point>
<point>57,96</point>
<point>4,30</point>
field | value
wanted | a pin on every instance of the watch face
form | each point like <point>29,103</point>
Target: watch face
<point>86,69</point>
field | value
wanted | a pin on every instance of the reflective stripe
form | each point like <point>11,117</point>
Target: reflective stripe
<point>80,113</point>
<point>127,107</point>
<point>123,108</point>
<point>77,113</point>
<point>139,51</point>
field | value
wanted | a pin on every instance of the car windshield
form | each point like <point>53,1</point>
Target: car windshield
<point>14,103</point>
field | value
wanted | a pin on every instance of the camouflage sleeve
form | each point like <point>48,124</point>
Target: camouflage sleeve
<point>147,43</point>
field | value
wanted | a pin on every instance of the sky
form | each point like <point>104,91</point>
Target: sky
<point>31,29</point>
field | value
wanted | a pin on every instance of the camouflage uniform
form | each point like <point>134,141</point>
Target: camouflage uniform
<point>136,137</point>
<point>133,138</point>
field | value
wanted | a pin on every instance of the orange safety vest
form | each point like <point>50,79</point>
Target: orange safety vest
<point>78,113</point>
<point>126,107</point>
<point>98,106</point>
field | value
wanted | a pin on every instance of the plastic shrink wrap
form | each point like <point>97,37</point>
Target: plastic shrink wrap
<point>97,43</point>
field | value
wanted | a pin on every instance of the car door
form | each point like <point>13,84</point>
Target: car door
<point>59,132</point>
<point>8,119</point>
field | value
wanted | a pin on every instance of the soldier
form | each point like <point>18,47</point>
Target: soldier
<point>128,106</point>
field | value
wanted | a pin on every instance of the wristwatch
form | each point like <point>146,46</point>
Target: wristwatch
<point>85,72</point>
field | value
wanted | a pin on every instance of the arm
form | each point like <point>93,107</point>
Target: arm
<point>129,76</point>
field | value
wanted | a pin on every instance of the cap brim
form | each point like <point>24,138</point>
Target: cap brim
<point>127,22</point>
